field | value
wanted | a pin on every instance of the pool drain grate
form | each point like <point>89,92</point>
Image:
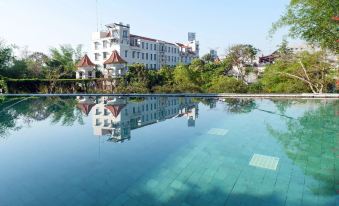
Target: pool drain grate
<point>217,131</point>
<point>263,161</point>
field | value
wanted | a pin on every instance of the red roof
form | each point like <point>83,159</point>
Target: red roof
<point>217,60</point>
<point>85,108</point>
<point>85,62</point>
<point>335,18</point>
<point>115,109</point>
<point>109,34</point>
<point>115,58</point>
<point>182,45</point>
<point>144,38</point>
<point>149,39</point>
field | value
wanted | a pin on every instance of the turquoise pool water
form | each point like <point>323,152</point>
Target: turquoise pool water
<point>168,151</point>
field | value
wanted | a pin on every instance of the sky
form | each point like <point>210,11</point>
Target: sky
<point>42,24</point>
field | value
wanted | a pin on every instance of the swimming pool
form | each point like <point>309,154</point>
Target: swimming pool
<point>97,150</point>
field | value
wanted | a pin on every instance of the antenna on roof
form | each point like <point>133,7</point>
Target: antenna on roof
<point>97,15</point>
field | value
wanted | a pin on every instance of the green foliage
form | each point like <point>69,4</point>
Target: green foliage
<point>311,20</point>
<point>58,109</point>
<point>304,73</point>
<point>242,56</point>
<point>63,61</point>
<point>312,135</point>
<point>37,64</point>
<point>207,58</point>
<point>3,86</point>
<point>224,84</point>
<point>6,56</point>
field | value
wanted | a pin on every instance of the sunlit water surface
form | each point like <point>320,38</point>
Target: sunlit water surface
<point>168,151</point>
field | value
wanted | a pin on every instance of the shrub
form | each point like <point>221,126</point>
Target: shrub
<point>225,84</point>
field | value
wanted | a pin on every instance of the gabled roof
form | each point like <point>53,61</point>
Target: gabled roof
<point>115,109</point>
<point>115,58</point>
<point>85,62</point>
<point>85,108</point>
<point>109,34</point>
<point>182,45</point>
<point>142,37</point>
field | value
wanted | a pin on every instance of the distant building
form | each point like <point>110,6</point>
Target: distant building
<point>150,52</point>
<point>214,54</point>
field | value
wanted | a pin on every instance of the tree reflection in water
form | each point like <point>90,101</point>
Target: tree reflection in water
<point>22,111</point>
<point>240,105</point>
<point>311,141</point>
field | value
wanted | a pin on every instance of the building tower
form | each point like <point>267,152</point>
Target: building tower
<point>115,66</point>
<point>86,68</point>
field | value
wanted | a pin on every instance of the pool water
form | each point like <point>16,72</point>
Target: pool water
<point>168,151</point>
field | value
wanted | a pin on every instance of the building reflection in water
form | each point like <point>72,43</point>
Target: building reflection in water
<point>116,117</point>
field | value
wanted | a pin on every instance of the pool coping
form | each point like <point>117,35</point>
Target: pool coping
<point>220,95</point>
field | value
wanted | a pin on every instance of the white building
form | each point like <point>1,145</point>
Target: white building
<point>133,49</point>
<point>115,117</point>
<point>86,68</point>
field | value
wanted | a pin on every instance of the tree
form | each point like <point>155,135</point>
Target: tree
<point>283,49</point>
<point>241,56</point>
<point>304,73</point>
<point>36,64</point>
<point>207,58</point>
<point>311,21</point>
<point>65,59</point>
<point>62,63</point>
<point>6,57</point>
<point>312,135</point>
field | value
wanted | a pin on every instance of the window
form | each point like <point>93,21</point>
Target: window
<point>146,45</point>
<point>96,45</point>
<point>105,55</point>
<point>151,46</point>
<point>105,43</point>
<point>89,74</point>
<point>138,55</point>
<point>155,47</point>
<point>155,66</point>
<point>151,56</point>
<point>142,44</point>
<point>146,56</point>
<point>126,53</point>
<point>133,54</point>
<point>142,55</point>
<point>124,34</point>
<point>96,56</point>
<point>155,56</point>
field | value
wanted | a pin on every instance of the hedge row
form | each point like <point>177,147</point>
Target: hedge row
<point>50,86</point>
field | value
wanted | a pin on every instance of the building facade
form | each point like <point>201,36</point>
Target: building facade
<point>152,53</point>
<point>116,117</point>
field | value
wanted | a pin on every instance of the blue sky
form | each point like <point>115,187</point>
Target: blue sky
<point>41,24</point>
